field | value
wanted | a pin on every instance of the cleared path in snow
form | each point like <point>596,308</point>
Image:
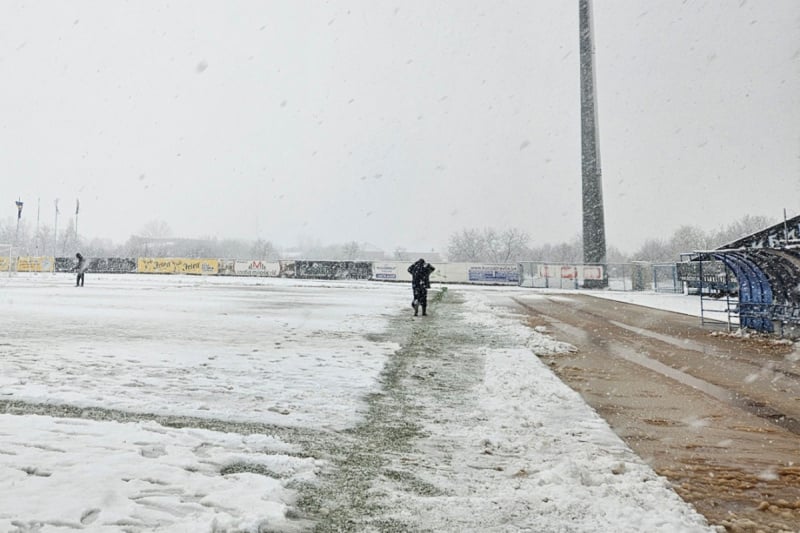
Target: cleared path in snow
<point>472,433</point>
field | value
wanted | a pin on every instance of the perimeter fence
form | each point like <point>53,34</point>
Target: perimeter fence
<point>637,276</point>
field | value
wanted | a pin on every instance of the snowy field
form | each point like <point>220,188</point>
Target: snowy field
<point>232,348</point>
<point>170,403</point>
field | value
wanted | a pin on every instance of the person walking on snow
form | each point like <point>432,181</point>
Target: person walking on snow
<point>420,283</point>
<point>81,268</point>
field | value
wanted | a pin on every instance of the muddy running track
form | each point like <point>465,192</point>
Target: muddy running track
<point>718,415</point>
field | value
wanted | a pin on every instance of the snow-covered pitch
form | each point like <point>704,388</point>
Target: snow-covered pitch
<point>172,403</point>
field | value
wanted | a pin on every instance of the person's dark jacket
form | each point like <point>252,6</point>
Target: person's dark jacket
<point>421,273</point>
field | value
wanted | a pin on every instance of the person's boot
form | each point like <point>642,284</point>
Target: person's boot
<point>415,305</point>
<point>423,310</point>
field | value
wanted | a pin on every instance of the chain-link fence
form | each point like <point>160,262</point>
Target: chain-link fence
<point>665,278</point>
<point>636,276</point>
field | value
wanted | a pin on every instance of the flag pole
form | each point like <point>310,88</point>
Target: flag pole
<point>16,235</point>
<point>55,242</point>
<point>38,212</point>
<point>19,216</point>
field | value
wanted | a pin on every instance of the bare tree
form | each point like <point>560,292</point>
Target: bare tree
<point>615,255</point>
<point>687,239</point>
<point>67,242</point>
<point>156,228</point>
<point>747,225</point>
<point>489,245</point>
<point>10,235</point>
<point>565,252</point>
<point>43,241</point>
<point>466,245</point>
<point>654,250</point>
<point>262,249</point>
<point>151,240</point>
<point>492,246</point>
<point>350,250</point>
<point>506,247</point>
<point>99,248</point>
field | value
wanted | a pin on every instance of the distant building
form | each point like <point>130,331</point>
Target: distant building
<point>171,247</point>
<point>369,252</point>
<point>430,257</point>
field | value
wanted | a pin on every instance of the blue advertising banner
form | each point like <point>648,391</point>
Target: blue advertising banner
<point>494,274</point>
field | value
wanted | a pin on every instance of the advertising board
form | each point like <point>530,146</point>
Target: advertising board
<point>169,265</point>
<point>35,264</point>
<point>257,268</point>
<point>499,274</point>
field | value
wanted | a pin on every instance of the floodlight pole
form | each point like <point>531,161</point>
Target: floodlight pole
<point>594,234</point>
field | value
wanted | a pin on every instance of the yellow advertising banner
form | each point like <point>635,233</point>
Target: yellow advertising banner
<point>4,262</point>
<point>150,265</point>
<point>35,264</point>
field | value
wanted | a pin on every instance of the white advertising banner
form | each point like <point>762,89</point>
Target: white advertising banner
<point>398,271</point>
<point>558,271</point>
<point>450,273</point>
<point>593,272</point>
<point>391,271</point>
<point>482,273</point>
<point>257,268</point>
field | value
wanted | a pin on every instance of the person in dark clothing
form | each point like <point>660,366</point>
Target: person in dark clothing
<point>420,283</point>
<point>81,268</point>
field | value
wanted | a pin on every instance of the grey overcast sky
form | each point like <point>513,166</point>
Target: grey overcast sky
<point>395,123</point>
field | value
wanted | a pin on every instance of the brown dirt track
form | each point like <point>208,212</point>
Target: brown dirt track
<point>718,415</point>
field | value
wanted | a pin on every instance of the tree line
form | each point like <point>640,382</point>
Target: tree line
<point>155,239</point>
<point>514,245</point>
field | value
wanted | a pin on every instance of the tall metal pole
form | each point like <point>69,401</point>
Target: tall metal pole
<point>16,235</point>
<point>19,216</point>
<point>594,233</point>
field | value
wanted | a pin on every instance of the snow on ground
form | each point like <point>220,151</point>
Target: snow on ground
<point>239,349</point>
<point>77,474</point>
<point>286,353</point>
<point>712,309</point>
<point>676,303</point>
<point>529,454</point>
